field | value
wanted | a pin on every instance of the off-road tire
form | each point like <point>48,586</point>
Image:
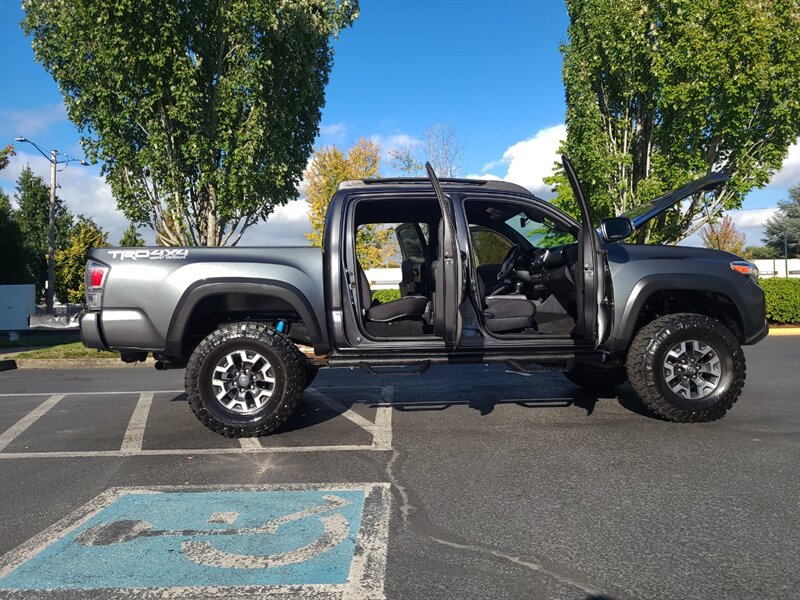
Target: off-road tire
<point>597,377</point>
<point>310,370</point>
<point>645,367</point>
<point>288,371</point>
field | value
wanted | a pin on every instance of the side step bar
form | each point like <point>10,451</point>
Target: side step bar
<point>408,369</point>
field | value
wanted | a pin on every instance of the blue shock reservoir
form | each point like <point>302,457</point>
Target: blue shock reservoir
<point>280,327</point>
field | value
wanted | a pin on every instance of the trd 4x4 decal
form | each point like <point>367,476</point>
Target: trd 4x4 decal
<point>160,254</point>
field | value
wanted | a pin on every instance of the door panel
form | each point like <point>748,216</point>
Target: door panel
<point>449,276</point>
<point>590,277</point>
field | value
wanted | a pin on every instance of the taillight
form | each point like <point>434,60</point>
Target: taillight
<point>94,279</point>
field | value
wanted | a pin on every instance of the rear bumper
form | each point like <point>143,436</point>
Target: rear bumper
<point>90,331</point>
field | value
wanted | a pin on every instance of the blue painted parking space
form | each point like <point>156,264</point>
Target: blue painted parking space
<point>325,540</point>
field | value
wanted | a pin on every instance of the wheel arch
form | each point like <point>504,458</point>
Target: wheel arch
<point>271,295</point>
<point>657,295</point>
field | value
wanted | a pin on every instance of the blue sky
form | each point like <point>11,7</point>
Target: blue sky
<point>493,70</point>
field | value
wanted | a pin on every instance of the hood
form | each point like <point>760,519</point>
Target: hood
<point>643,213</point>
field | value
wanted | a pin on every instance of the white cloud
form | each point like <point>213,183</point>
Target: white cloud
<point>32,121</point>
<point>391,142</point>
<point>332,134</point>
<point>530,161</point>
<point>750,222</point>
<point>285,227</point>
<point>83,190</point>
<point>789,173</point>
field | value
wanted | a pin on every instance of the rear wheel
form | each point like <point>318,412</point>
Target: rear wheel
<point>686,367</point>
<point>244,379</point>
<point>596,377</point>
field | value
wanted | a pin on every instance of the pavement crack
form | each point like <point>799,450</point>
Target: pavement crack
<point>414,520</point>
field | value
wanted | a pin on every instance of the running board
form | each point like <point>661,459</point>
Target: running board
<point>530,366</point>
<point>407,369</point>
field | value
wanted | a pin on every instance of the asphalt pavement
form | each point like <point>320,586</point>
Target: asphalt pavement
<point>499,485</point>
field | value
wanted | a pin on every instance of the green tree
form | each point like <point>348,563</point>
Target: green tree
<point>131,238</point>
<point>723,236</point>
<point>5,156</point>
<point>33,219</point>
<point>758,252</point>
<point>71,260</point>
<point>329,167</point>
<point>660,92</point>
<point>13,266</point>
<point>203,112</point>
<point>786,220</point>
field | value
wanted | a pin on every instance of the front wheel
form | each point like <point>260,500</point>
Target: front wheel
<point>686,367</point>
<point>244,379</point>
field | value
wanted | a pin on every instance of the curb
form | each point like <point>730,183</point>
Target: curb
<point>784,331</point>
<point>8,365</point>
<point>80,363</point>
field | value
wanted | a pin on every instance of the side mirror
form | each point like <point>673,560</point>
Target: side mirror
<point>616,229</point>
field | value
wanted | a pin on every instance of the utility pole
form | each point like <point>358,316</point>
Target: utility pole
<point>51,232</point>
<point>785,255</point>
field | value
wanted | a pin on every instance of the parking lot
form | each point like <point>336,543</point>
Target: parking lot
<point>465,482</point>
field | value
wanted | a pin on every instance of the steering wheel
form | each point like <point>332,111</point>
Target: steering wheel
<point>507,266</point>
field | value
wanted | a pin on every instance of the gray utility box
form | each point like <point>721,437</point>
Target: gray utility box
<point>17,302</point>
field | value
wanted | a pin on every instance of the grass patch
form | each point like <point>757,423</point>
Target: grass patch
<point>26,340</point>
<point>70,350</point>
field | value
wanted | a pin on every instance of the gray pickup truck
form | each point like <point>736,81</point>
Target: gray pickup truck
<point>490,273</point>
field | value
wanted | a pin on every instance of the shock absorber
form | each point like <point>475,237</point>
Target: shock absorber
<point>280,326</point>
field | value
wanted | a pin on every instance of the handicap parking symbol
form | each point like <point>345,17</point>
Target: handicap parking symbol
<point>324,541</point>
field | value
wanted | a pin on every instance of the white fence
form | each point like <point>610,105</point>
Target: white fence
<point>776,267</point>
<point>384,279</point>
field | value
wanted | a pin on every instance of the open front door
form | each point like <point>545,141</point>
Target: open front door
<point>590,271</point>
<point>448,271</point>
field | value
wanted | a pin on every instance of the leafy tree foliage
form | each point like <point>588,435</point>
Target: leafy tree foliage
<point>131,238</point>
<point>786,220</point>
<point>5,155</point>
<point>13,266</point>
<point>758,252</point>
<point>660,92</point>
<point>71,260</point>
<point>723,236</point>
<point>33,219</point>
<point>330,166</point>
<point>204,112</point>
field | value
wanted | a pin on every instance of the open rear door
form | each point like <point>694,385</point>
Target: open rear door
<point>448,271</point>
<point>590,278</point>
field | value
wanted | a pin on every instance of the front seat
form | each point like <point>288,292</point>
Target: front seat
<point>407,306</point>
<point>504,313</point>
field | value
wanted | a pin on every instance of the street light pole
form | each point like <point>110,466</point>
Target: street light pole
<point>51,232</point>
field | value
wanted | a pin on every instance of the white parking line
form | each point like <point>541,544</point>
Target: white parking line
<point>10,434</point>
<point>126,393</point>
<point>134,435</point>
<point>383,419</point>
<point>186,451</point>
<point>251,442</point>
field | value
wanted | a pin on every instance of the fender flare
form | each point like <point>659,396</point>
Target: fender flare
<point>651,284</point>
<point>281,290</point>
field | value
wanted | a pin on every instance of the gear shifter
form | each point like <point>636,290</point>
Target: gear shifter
<point>518,287</point>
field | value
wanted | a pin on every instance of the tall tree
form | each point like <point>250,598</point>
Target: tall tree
<point>785,223</point>
<point>71,260</point>
<point>131,238</point>
<point>330,166</point>
<point>441,148</point>
<point>13,266</point>
<point>33,219</point>
<point>660,92</point>
<point>5,156</point>
<point>203,111</point>
<point>723,236</point>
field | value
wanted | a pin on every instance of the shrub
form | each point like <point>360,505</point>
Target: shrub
<point>385,295</point>
<point>783,299</point>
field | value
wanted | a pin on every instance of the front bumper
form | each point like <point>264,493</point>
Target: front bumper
<point>91,335</point>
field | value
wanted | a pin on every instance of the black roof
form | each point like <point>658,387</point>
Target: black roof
<point>476,184</point>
